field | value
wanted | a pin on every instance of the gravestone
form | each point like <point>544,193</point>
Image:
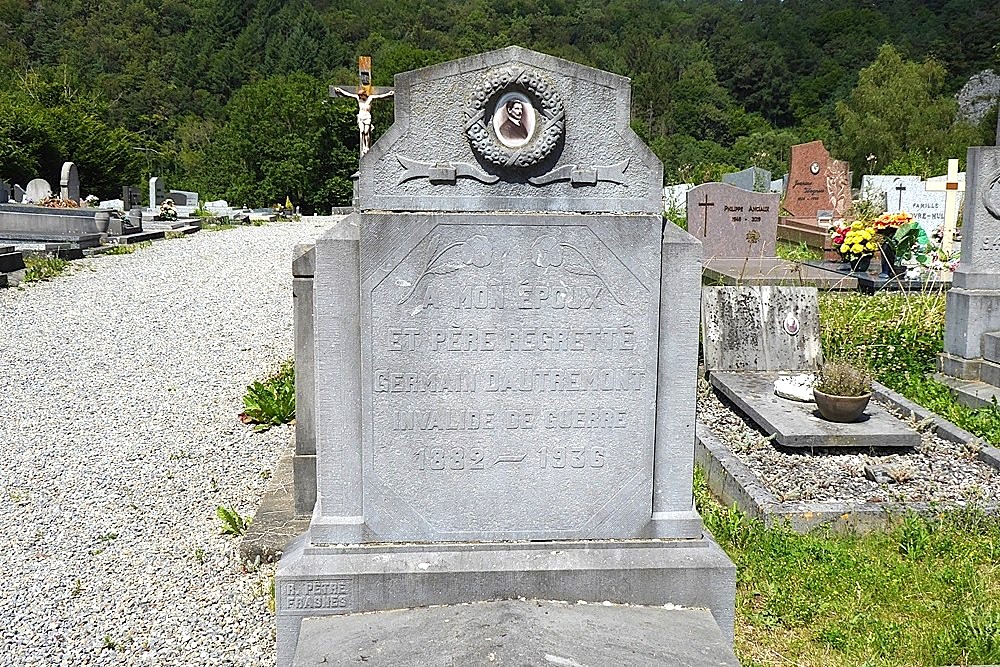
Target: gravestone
<point>753,179</point>
<point>674,196</point>
<point>778,186</point>
<point>184,197</point>
<point>816,182</point>
<point>973,303</point>
<point>132,197</point>
<point>4,192</point>
<point>733,222</point>
<point>112,205</point>
<point>18,194</point>
<point>892,186</point>
<point>505,344</point>
<point>157,191</point>
<point>926,207</point>
<point>69,182</point>
<point>952,185</point>
<point>37,190</point>
<point>753,335</point>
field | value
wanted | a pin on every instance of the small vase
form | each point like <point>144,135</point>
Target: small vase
<point>890,263</point>
<point>841,409</point>
<point>860,264</point>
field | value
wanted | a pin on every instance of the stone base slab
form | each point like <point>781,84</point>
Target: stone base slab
<point>322,581</point>
<point>774,271</point>
<point>275,523</point>
<point>797,424</point>
<point>517,632</point>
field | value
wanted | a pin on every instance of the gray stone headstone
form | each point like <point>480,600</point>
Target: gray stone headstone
<point>131,196</point>
<point>5,192</point>
<point>893,186</point>
<point>18,194</point>
<point>760,328</point>
<point>926,207</point>
<point>778,186</point>
<point>135,218</point>
<point>37,190</point>
<point>157,191</point>
<point>184,197</point>
<point>505,341</point>
<point>753,179</point>
<point>69,182</point>
<point>674,196</point>
<point>733,222</point>
<point>112,205</point>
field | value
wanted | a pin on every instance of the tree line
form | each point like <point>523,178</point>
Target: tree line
<point>230,98</point>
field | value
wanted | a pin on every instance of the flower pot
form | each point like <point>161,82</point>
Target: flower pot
<point>841,409</point>
<point>860,264</point>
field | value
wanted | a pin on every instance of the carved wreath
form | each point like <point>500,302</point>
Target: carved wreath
<point>991,197</point>
<point>478,118</point>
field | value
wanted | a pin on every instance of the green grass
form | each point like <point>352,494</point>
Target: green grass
<point>899,337</point>
<point>925,593</point>
<point>43,267</point>
<point>798,252</point>
<point>271,402</point>
<point>216,226</point>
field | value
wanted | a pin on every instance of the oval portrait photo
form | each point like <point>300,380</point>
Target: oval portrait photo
<point>514,120</point>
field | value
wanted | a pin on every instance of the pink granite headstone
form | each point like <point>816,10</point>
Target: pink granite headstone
<point>816,182</point>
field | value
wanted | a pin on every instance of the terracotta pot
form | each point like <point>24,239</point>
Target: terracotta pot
<point>841,409</point>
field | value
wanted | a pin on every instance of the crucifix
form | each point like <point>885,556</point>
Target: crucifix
<point>367,93</point>
<point>951,186</point>
<point>900,188</point>
<point>705,204</point>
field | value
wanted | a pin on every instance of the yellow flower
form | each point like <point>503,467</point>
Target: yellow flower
<point>857,248</point>
<point>845,249</point>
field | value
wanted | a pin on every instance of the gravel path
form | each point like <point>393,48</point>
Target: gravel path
<point>121,384</point>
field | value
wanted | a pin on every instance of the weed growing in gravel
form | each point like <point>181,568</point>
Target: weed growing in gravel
<point>232,522</point>
<point>926,592</point>
<point>217,227</point>
<point>43,267</point>
<point>173,235</point>
<point>271,402</point>
<point>128,248</point>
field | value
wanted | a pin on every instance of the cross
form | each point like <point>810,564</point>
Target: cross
<point>367,93</point>
<point>705,204</point>
<point>900,188</point>
<point>951,186</point>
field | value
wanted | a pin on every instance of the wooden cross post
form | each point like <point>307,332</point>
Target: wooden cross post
<point>367,93</point>
<point>951,186</point>
<point>705,204</point>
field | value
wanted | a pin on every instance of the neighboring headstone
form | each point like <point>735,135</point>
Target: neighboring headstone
<point>37,190</point>
<point>157,191</point>
<point>760,329</point>
<point>674,196</point>
<point>184,197</point>
<point>17,195</point>
<point>892,186</point>
<point>816,182</point>
<point>973,303</point>
<point>4,192</point>
<point>926,206</point>
<point>733,222</point>
<point>778,186</point>
<point>112,205</point>
<point>69,182</point>
<point>753,179</point>
<point>505,361</point>
<point>132,197</point>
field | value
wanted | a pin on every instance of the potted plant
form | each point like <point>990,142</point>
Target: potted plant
<point>842,391</point>
<point>902,240</point>
<point>855,242</point>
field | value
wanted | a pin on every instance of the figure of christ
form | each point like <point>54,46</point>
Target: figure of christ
<point>364,115</point>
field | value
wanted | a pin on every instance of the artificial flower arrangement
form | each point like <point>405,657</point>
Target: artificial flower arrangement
<point>854,240</point>
<point>167,210</point>
<point>887,220</point>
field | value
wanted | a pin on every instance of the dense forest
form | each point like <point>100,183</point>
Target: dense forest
<point>230,98</point>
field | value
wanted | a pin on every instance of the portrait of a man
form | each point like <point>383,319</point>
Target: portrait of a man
<point>514,120</point>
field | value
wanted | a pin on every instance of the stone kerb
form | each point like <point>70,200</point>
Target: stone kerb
<point>444,153</point>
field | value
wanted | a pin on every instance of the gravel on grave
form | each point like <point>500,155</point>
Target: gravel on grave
<point>121,385</point>
<point>938,471</point>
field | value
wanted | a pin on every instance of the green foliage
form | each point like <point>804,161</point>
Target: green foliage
<point>128,248</point>
<point>797,252</point>
<point>232,522</point>
<point>272,401</point>
<point>922,593</point>
<point>43,267</point>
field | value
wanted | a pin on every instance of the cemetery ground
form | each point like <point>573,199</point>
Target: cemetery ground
<point>122,397</point>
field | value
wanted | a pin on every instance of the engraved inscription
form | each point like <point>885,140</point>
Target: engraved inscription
<point>335,595</point>
<point>511,356</point>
